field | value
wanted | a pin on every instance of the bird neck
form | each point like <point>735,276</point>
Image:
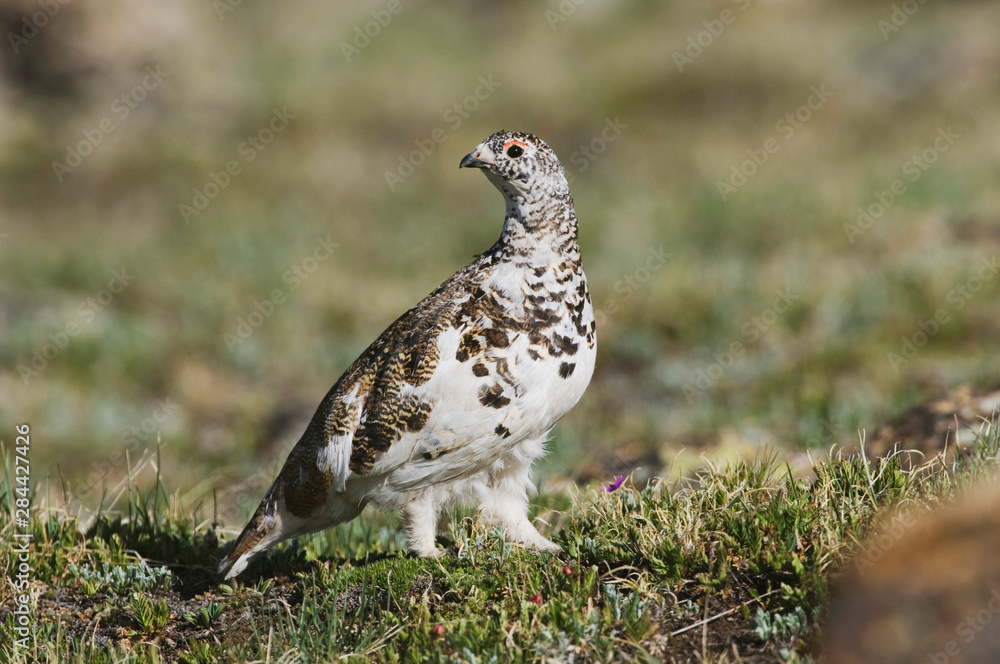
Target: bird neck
<point>540,227</point>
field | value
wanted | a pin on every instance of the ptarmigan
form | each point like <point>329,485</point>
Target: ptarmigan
<point>453,402</point>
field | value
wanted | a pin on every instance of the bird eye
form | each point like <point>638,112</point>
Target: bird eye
<point>515,151</point>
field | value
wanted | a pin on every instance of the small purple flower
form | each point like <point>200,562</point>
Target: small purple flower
<point>614,485</point>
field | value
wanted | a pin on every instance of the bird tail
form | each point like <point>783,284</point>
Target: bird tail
<point>263,531</point>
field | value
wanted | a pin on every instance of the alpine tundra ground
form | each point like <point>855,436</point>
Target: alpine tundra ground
<point>731,565</point>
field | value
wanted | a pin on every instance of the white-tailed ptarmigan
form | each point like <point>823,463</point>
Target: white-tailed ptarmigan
<point>453,402</point>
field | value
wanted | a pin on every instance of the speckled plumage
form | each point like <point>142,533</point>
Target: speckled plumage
<point>454,400</point>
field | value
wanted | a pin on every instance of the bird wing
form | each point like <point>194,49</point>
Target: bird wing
<point>374,403</point>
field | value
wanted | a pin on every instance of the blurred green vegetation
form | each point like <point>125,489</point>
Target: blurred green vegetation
<point>152,362</point>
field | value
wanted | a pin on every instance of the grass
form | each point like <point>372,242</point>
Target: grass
<point>732,564</point>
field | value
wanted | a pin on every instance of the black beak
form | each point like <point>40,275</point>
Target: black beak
<point>468,161</point>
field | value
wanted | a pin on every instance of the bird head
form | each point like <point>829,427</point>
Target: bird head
<point>520,165</point>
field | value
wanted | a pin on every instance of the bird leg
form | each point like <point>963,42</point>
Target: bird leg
<point>420,520</point>
<point>505,503</point>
